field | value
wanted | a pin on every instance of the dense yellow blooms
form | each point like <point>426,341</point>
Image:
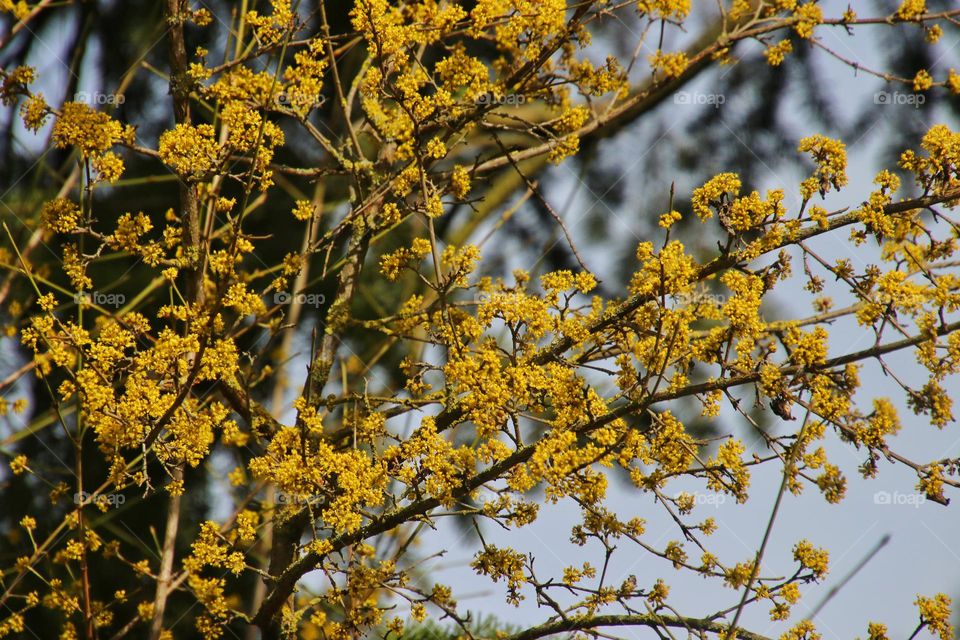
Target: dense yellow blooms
<point>20,10</point>
<point>831,158</point>
<point>350,477</point>
<point>191,151</point>
<point>953,82</point>
<point>91,132</point>
<point>35,112</point>
<point>715,193</point>
<point>935,614</point>
<point>911,9</point>
<point>672,65</point>
<point>776,53</point>
<point>460,182</point>
<point>808,15</point>
<point>803,630</point>
<point>15,82</point>
<point>922,81</point>
<point>812,558</point>
<point>678,9</point>
<point>60,215</point>
<point>511,393</point>
<point>942,150</point>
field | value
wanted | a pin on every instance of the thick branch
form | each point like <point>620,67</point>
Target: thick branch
<point>190,240</point>
<point>189,202</point>
<point>652,620</point>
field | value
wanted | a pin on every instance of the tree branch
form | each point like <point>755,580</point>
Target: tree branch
<point>652,620</point>
<point>193,274</point>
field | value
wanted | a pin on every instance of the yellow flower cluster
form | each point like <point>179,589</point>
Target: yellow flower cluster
<point>664,9</point>
<point>953,82</point>
<point>349,480</point>
<point>803,630</point>
<point>19,9</point>
<point>392,264</point>
<point>192,151</point>
<point>808,348</point>
<point>714,194</point>
<point>502,564</point>
<point>872,212</point>
<point>935,614</point>
<point>75,265</point>
<point>672,445</point>
<point>535,24</point>
<point>808,16</point>
<point>776,53</point>
<point>271,29</point>
<point>911,9</point>
<point>671,270</point>
<point>460,182</point>
<point>60,215</point>
<point>935,171</point>
<point>790,593</point>
<point>812,558</point>
<point>734,477</point>
<point>15,83</point>
<point>426,459</point>
<point>35,112</point>
<point>463,74</point>
<point>751,211</point>
<point>610,78</point>
<point>831,158</point>
<point>567,125</point>
<point>922,80</point>
<point>90,131</point>
<point>882,422</point>
<point>242,83</point>
<point>668,219</point>
<point>671,65</point>
<point>305,79</point>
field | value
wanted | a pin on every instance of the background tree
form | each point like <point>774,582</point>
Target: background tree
<point>270,323</point>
